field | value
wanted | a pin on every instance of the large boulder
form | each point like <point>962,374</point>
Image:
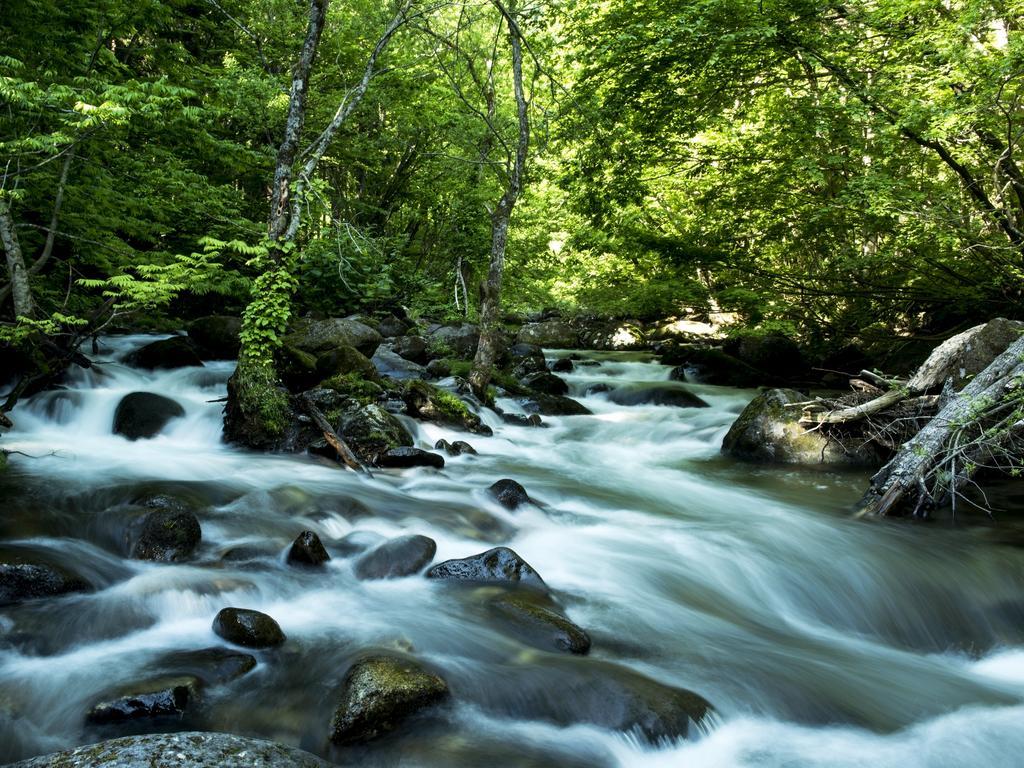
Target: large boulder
<point>546,383</point>
<point>389,325</point>
<point>144,414</point>
<point>552,405</point>
<point>657,394</point>
<point>556,334</point>
<point>767,431</point>
<point>535,619</point>
<point>612,336</point>
<point>27,575</point>
<point>412,348</point>
<point>965,355</point>
<point>217,337</point>
<point>370,431</point>
<point>455,341</point>
<point>180,750</point>
<point>394,366</point>
<point>164,536</point>
<point>159,698</point>
<point>175,352</point>
<point>395,558</point>
<point>526,359</point>
<point>500,565</point>
<point>318,336</point>
<point>345,360</point>
<point>248,628</point>
<point>381,692</point>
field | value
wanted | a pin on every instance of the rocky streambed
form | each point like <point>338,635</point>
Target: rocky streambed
<point>604,590</point>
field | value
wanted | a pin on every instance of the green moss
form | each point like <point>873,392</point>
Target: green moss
<point>459,368</point>
<point>449,405</point>
<point>263,406</point>
<point>355,386</point>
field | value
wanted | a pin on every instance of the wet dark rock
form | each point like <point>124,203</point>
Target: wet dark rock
<point>296,367</point>
<point>556,334</point>
<point>175,352</point>
<point>522,420</point>
<point>179,750</point>
<point>318,336</point>
<point>553,405</point>
<point>394,366</point>
<point>404,457</point>
<point>344,360</point>
<point>165,536</point>
<point>389,325</point>
<point>251,629</point>
<point>395,558</point>
<point>308,550</point>
<point>767,431</point>
<point>500,565</point>
<point>458,448</point>
<point>379,693</point>
<point>657,395</point>
<point>537,621</point>
<point>508,493</point>
<point>163,697</point>
<point>28,575</point>
<point>562,365</point>
<point>597,389</point>
<point>144,414</point>
<point>370,431</point>
<point>458,340</point>
<point>526,359</point>
<point>217,336</point>
<point>546,383</point>
<point>413,348</point>
<point>211,665</point>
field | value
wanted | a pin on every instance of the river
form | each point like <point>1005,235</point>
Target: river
<point>820,640</point>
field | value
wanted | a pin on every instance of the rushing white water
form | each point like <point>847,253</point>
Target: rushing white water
<point>821,641</point>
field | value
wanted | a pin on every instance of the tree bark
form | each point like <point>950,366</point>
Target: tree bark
<point>24,306</point>
<point>490,345</point>
<point>910,477</point>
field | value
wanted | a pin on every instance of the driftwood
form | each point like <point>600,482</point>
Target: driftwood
<point>856,412</point>
<point>344,452</point>
<point>941,459</point>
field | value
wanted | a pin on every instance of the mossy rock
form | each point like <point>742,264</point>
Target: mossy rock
<point>317,336</point>
<point>354,386</point>
<point>345,360</point>
<point>425,401</point>
<point>379,694</point>
<point>370,431</point>
<point>535,619</point>
<point>258,412</point>
<point>217,336</point>
<point>297,368</point>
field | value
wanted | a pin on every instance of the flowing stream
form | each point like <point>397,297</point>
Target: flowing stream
<point>820,640</point>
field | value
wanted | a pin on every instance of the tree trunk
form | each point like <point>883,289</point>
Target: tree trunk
<point>490,346</point>
<point>24,306</point>
<point>913,476</point>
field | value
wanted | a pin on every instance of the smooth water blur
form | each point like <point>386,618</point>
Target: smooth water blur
<point>821,641</point>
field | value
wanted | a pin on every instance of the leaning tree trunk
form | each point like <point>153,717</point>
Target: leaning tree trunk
<point>20,289</point>
<point>942,457</point>
<point>490,347</point>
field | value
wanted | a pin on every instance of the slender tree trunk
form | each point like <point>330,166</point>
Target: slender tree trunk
<point>24,306</point>
<point>490,347</point>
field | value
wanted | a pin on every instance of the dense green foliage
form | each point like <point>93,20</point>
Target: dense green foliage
<point>816,166</point>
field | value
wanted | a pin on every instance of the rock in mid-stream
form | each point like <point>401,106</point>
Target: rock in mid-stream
<point>165,697</point>
<point>249,628</point>
<point>211,665</point>
<point>402,556</point>
<point>165,536</point>
<point>26,575</point>
<point>509,493</point>
<point>307,549</point>
<point>379,693</point>
<point>500,565</point>
<point>142,415</point>
<point>535,620</point>
<point>179,750</point>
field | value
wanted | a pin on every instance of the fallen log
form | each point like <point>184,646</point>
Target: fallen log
<point>344,452</point>
<point>943,456</point>
<point>856,412</point>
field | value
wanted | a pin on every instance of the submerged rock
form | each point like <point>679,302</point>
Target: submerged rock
<point>251,629</point>
<point>211,665</point>
<point>395,558</point>
<point>536,620</point>
<point>767,431</point>
<point>380,693</point>
<point>553,405</point>
<point>500,565</point>
<point>457,448</point>
<point>179,750</point>
<point>307,549</point>
<point>546,383</point>
<point>162,697</point>
<point>563,365</point>
<point>165,536</point>
<point>527,359</point>
<point>657,395</point>
<point>406,456</point>
<point>27,575</point>
<point>175,352</point>
<point>217,336</point>
<point>144,414</point>
<point>508,493</point>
